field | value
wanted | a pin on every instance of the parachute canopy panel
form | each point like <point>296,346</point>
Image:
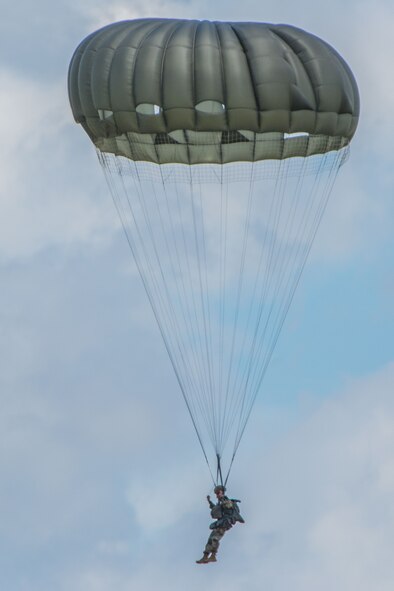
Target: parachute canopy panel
<point>148,89</point>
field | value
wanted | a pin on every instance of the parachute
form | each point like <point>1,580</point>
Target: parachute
<point>220,143</point>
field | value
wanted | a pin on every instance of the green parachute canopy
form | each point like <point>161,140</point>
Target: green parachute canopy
<point>151,88</point>
<point>220,143</point>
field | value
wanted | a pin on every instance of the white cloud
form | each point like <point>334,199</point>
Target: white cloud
<point>122,10</point>
<point>46,198</point>
<point>326,501</point>
<point>319,509</point>
<point>355,222</point>
<point>159,500</point>
<point>370,52</point>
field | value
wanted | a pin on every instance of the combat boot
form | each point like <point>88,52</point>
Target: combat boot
<point>212,558</point>
<point>204,559</point>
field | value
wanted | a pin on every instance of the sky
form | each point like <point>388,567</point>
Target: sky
<point>102,482</point>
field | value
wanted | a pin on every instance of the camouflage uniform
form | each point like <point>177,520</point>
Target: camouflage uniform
<point>226,513</point>
<point>214,540</point>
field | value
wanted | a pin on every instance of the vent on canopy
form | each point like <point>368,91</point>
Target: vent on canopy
<point>210,107</point>
<point>148,109</point>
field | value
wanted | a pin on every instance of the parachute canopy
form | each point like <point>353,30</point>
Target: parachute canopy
<point>220,143</point>
<point>151,88</point>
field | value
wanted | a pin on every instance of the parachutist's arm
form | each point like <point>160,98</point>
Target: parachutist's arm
<point>211,505</point>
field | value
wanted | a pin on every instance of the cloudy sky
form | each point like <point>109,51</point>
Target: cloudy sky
<point>102,482</point>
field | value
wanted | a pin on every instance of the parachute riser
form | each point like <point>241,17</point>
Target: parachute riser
<point>219,475</point>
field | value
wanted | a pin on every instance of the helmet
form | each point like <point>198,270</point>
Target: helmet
<point>218,488</point>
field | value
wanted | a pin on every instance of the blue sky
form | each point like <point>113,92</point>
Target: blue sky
<point>102,482</point>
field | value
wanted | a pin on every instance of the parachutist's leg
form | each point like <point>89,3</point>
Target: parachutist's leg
<point>212,546</point>
<point>207,551</point>
<point>214,542</point>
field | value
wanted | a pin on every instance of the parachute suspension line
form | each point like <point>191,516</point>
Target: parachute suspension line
<point>202,302</point>
<point>204,387</point>
<point>206,292</point>
<point>204,412</point>
<point>307,240</point>
<point>191,399</point>
<point>179,274</point>
<point>274,264</point>
<point>200,398</point>
<point>275,273</point>
<point>177,283</point>
<point>160,318</point>
<point>230,466</point>
<point>272,221</point>
<point>132,242</point>
<point>278,194</point>
<point>267,245</point>
<point>171,315</point>
<point>204,409</point>
<point>229,393</point>
<point>194,274</point>
<point>223,216</point>
<point>269,349</point>
<point>310,235</point>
